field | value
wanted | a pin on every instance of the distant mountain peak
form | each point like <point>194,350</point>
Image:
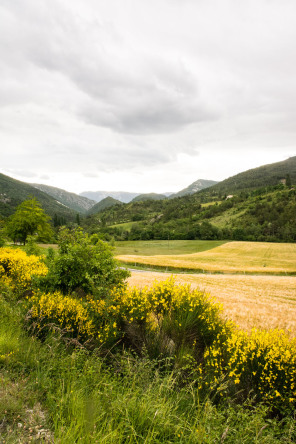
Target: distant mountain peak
<point>198,185</point>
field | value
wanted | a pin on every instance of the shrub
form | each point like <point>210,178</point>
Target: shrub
<point>81,265</point>
<point>66,312</point>
<point>262,363</point>
<point>166,319</point>
<point>17,269</point>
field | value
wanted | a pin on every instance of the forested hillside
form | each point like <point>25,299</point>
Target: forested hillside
<point>13,192</point>
<point>258,204</point>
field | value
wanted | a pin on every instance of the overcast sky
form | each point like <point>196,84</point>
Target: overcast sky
<point>145,95</point>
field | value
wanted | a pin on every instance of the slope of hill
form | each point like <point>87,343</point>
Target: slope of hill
<point>77,203</point>
<point>13,192</point>
<point>196,186</point>
<point>149,196</point>
<point>108,202</point>
<point>264,176</point>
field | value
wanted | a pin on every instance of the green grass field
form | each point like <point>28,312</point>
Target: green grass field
<point>168,247</point>
<point>125,225</point>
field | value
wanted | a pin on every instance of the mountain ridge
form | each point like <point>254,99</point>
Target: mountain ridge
<point>71,200</point>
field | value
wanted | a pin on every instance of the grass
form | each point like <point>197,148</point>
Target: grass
<point>209,204</point>
<point>125,225</point>
<point>231,257</point>
<point>265,302</point>
<point>160,247</point>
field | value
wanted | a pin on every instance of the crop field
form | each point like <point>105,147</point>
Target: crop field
<point>167,247</point>
<point>230,257</point>
<point>264,302</point>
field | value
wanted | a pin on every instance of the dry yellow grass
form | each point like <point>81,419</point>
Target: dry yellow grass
<point>232,257</point>
<point>265,302</point>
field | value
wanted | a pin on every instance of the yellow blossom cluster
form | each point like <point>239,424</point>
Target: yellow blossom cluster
<point>182,314</point>
<point>17,269</point>
<point>66,312</point>
<point>261,362</point>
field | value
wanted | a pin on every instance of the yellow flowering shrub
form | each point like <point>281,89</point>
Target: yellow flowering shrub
<point>167,317</point>
<point>64,311</point>
<point>260,362</point>
<point>17,269</point>
<point>175,313</point>
<point>186,325</point>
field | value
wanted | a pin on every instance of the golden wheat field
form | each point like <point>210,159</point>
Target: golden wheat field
<point>232,257</point>
<point>265,302</point>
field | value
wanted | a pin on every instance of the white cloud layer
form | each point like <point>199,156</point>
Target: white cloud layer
<point>145,96</point>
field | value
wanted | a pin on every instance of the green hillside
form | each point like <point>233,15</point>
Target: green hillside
<point>13,192</point>
<point>108,202</point>
<point>149,196</point>
<point>264,176</point>
<point>236,208</point>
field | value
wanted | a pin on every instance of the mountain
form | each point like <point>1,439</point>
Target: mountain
<point>264,176</point>
<point>13,192</point>
<point>97,196</point>
<point>77,203</point>
<point>149,196</point>
<point>196,186</point>
<point>108,202</point>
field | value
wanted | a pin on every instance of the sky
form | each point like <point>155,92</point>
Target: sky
<point>145,95</point>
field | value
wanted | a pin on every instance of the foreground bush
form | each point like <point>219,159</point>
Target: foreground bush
<point>17,269</point>
<point>262,363</point>
<point>166,320</point>
<point>82,264</point>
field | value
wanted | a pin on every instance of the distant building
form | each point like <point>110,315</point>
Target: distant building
<point>230,196</point>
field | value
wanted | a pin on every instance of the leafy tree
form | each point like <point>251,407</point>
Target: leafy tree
<point>288,181</point>
<point>83,263</point>
<point>29,219</point>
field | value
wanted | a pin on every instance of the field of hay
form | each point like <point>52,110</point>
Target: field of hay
<point>231,257</point>
<point>265,302</point>
<point>164,247</point>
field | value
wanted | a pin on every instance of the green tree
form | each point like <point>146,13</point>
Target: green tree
<point>29,219</point>
<point>288,181</point>
<point>83,263</point>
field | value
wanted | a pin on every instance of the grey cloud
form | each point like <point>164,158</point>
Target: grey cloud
<point>130,94</point>
<point>85,88</point>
